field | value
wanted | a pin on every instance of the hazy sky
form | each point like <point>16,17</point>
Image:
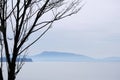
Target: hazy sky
<point>94,31</point>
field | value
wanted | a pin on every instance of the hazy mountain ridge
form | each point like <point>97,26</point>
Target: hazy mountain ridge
<point>60,56</point>
<point>111,59</point>
<point>69,57</point>
<point>63,57</point>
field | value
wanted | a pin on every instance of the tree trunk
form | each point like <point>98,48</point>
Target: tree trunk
<point>11,75</point>
<point>1,76</point>
<point>11,72</point>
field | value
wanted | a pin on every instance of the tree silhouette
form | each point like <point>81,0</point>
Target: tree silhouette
<point>21,19</point>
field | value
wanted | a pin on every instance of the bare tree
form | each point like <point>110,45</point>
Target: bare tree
<point>21,19</point>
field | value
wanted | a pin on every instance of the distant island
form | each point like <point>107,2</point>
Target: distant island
<point>18,59</point>
<point>69,57</point>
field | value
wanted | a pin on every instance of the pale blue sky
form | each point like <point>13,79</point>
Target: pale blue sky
<point>94,31</point>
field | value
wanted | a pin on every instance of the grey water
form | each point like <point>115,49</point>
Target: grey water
<point>70,71</point>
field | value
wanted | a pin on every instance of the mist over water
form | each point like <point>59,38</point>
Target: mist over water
<point>70,71</point>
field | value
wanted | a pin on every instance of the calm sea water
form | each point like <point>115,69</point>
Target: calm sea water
<point>70,71</point>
